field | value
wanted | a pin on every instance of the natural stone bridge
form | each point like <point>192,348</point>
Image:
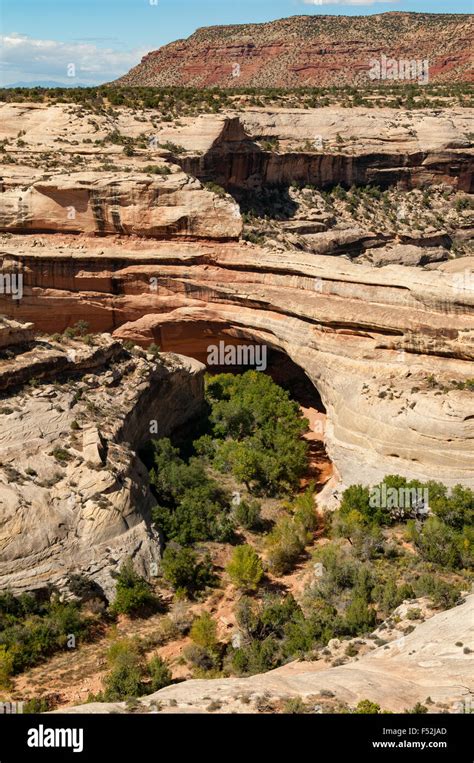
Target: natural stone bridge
<point>382,346</point>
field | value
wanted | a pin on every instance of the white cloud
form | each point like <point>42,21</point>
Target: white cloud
<point>26,59</point>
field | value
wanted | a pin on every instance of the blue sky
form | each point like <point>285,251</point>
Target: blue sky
<point>104,38</point>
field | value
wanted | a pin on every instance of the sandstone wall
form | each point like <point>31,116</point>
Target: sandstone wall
<point>326,147</point>
<point>370,339</point>
<point>74,496</point>
<point>168,207</point>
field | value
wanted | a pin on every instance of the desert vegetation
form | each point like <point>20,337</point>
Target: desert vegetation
<point>406,216</point>
<point>175,102</point>
<point>234,494</point>
<point>251,435</point>
<point>32,629</point>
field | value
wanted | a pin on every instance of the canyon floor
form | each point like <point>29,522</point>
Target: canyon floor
<point>426,664</point>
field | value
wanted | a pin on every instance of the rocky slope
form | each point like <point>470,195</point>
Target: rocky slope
<point>74,496</point>
<point>310,51</point>
<point>426,663</point>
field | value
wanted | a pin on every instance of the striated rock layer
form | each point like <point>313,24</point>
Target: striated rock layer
<point>311,50</point>
<point>74,496</point>
<point>389,349</point>
<point>382,345</point>
<point>323,147</point>
<point>326,147</point>
<point>168,207</point>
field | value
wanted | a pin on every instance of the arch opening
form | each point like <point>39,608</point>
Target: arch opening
<point>194,339</point>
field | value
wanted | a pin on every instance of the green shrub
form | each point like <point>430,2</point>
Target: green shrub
<point>39,705</point>
<point>304,510</point>
<point>157,169</point>
<point>455,510</point>
<point>245,568</point>
<point>130,676</point>
<point>182,569</point>
<point>260,429</point>
<point>257,657</point>
<point>204,631</point>
<point>366,540</point>
<point>276,630</point>
<point>444,595</point>
<point>159,673</point>
<point>291,534</point>
<point>124,680</point>
<point>122,651</point>
<point>31,630</point>
<point>201,514</point>
<point>193,507</point>
<point>270,144</point>
<point>247,515</point>
<point>173,148</point>
<point>203,660</point>
<point>366,707</point>
<point>418,709</point>
<point>61,455</point>
<point>340,569</point>
<point>437,542</point>
<point>6,668</point>
<point>295,706</point>
<point>357,498</point>
<point>360,617</point>
<point>285,545</point>
<point>133,595</point>
<point>215,188</point>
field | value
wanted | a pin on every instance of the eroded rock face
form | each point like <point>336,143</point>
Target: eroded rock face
<point>382,345</point>
<point>406,254</point>
<point>168,207</point>
<point>309,50</point>
<point>323,147</point>
<point>13,333</point>
<point>74,496</point>
<point>328,146</point>
<point>389,348</point>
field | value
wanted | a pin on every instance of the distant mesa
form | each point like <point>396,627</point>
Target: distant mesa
<point>313,51</point>
<point>45,83</point>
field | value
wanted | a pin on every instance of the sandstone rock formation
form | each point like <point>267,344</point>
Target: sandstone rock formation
<point>74,496</point>
<point>309,51</point>
<point>424,663</point>
<point>15,333</point>
<point>323,146</point>
<point>157,226</point>
<point>169,207</point>
<point>389,348</point>
<point>370,339</point>
<point>329,146</point>
<point>407,254</point>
